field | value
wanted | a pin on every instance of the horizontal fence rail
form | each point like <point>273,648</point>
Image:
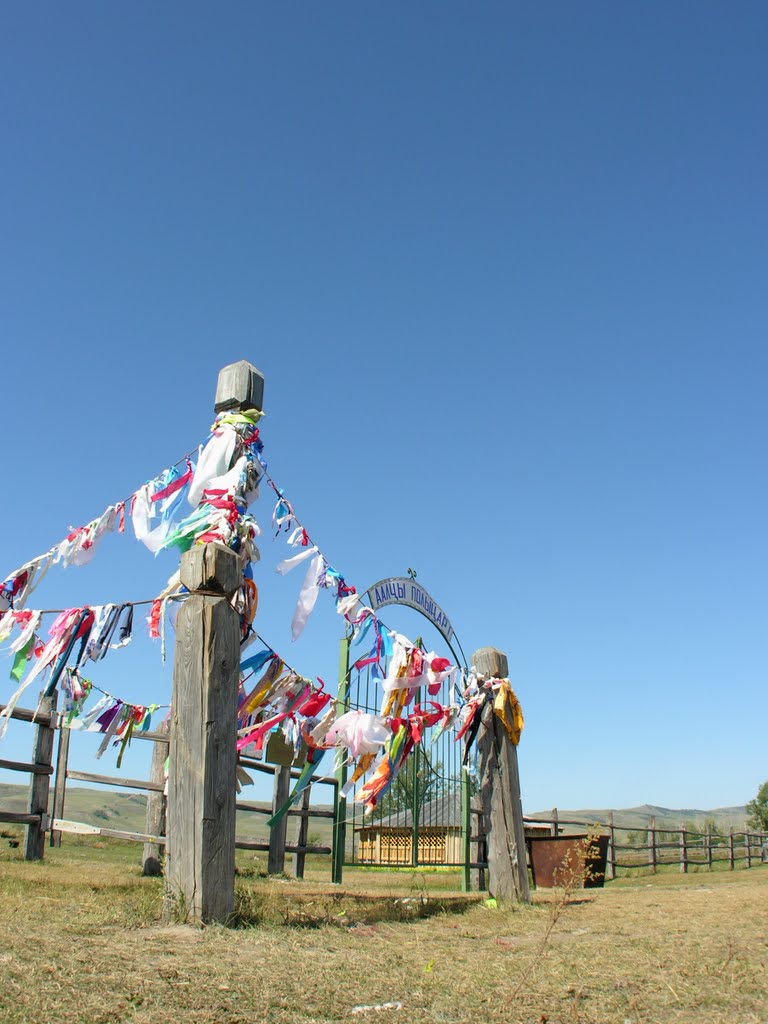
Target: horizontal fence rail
<point>652,848</point>
<point>48,723</point>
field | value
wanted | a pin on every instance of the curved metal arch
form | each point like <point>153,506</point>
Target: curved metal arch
<point>407,593</point>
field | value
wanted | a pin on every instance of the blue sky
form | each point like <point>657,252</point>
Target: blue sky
<point>503,269</point>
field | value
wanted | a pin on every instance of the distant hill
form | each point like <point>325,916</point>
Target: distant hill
<point>127,811</point>
<point>639,817</point>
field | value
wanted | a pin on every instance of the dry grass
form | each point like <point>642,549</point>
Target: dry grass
<point>79,942</point>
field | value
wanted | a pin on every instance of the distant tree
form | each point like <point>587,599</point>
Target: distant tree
<point>757,809</point>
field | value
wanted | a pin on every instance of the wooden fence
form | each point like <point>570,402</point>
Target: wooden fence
<point>43,772</point>
<point>648,849</point>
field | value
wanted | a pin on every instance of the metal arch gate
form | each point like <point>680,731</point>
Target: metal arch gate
<point>424,820</point>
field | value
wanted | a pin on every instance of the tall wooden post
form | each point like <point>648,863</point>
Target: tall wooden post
<point>610,866</point>
<point>39,785</point>
<point>60,783</point>
<point>652,844</point>
<point>302,834</point>
<point>151,863</point>
<point>278,832</point>
<point>500,792</point>
<point>683,850</point>
<point>200,852</point>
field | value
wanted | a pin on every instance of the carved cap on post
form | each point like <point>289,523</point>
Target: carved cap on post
<point>240,386</point>
<point>490,663</point>
<point>212,568</point>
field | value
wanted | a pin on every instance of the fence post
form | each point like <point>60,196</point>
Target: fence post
<point>610,867</point>
<point>302,834</point>
<point>652,845</point>
<point>155,819</point>
<point>339,799</point>
<point>278,832</point>
<point>730,849</point>
<point>748,848</point>
<point>708,847</point>
<point>683,850</point>
<point>500,791</point>
<point>200,851</point>
<point>40,782</point>
<point>554,827</point>
<point>60,784</point>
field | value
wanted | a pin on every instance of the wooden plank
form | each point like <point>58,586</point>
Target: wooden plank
<point>41,717</point>
<point>81,828</point>
<point>302,833</point>
<point>16,818</point>
<point>151,863</point>
<point>115,780</point>
<point>500,793</point>
<point>26,766</point>
<point>60,783</point>
<point>200,852</point>
<point>267,769</point>
<point>278,833</point>
<point>255,844</point>
<point>39,786</point>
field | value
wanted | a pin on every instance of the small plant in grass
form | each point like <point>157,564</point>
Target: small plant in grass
<point>574,872</point>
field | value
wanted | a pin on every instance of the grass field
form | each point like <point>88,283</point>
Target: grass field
<point>80,941</point>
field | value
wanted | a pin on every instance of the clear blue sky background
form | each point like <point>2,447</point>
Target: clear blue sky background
<point>503,267</point>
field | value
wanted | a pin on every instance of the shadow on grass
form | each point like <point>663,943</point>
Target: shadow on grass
<point>257,906</point>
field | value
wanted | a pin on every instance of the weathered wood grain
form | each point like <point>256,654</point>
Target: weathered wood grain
<point>60,782</point>
<point>151,864</point>
<point>240,386</point>
<point>114,780</point>
<point>500,793</point>
<point>200,852</point>
<point>278,832</point>
<point>302,833</point>
<point>39,786</point>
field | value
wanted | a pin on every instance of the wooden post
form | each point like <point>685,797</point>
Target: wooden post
<point>60,783</point>
<point>478,876</point>
<point>708,847</point>
<point>500,792</point>
<point>683,850</point>
<point>554,828</point>
<point>610,867</point>
<point>240,386</point>
<point>278,832</point>
<point>156,810</point>
<point>652,845</point>
<point>730,850</point>
<point>339,799</point>
<point>200,852</point>
<point>40,782</point>
<point>748,848</point>
<point>302,834</point>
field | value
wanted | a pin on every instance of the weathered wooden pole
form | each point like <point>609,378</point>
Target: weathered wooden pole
<point>683,850</point>
<point>500,792</point>
<point>39,784</point>
<point>60,783</point>
<point>200,847</point>
<point>610,866</point>
<point>151,863</point>
<point>651,835</point>
<point>279,832</point>
<point>200,850</point>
